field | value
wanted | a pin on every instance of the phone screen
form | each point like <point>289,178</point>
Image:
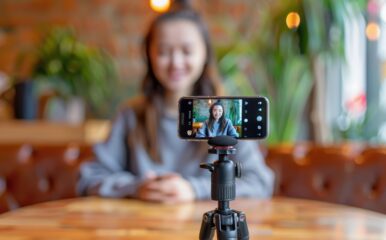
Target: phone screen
<point>206,117</point>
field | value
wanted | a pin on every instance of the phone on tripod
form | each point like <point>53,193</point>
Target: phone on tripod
<point>202,118</point>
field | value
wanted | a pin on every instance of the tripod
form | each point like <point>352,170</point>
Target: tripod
<point>229,223</point>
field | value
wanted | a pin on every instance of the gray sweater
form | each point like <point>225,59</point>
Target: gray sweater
<point>228,130</point>
<point>119,167</point>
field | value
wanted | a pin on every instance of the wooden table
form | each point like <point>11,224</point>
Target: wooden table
<point>97,218</point>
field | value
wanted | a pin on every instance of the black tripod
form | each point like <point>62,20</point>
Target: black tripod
<point>230,224</point>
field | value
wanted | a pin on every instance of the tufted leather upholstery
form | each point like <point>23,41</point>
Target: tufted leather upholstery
<point>326,174</point>
<point>369,180</point>
<point>286,162</point>
<point>36,173</point>
<point>346,174</point>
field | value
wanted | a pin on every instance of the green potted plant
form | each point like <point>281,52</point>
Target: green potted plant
<point>75,72</point>
<point>283,63</point>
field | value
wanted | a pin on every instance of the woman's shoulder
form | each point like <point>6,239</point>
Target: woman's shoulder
<point>205,123</point>
<point>134,104</point>
<point>129,110</point>
<point>228,121</point>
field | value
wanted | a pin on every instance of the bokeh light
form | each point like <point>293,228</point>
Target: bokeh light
<point>292,20</point>
<point>373,31</point>
<point>160,5</point>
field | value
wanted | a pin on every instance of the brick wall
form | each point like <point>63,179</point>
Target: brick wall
<point>114,25</point>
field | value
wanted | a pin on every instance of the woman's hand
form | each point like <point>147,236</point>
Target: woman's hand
<point>170,188</point>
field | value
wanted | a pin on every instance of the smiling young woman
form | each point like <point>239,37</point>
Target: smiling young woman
<point>143,157</point>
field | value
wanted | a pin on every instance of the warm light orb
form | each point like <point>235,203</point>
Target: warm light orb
<point>373,31</point>
<point>160,5</point>
<point>293,20</point>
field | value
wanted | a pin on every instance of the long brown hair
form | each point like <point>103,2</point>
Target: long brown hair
<point>212,120</point>
<point>208,84</point>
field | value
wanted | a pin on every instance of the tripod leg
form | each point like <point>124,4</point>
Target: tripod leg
<point>242,233</point>
<point>207,226</point>
<point>226,226</point>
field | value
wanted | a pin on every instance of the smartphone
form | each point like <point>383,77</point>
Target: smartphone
<point>206,117</point>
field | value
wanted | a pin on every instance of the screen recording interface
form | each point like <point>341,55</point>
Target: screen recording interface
<point>242,118</point>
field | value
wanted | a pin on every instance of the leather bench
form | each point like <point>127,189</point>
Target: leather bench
<point>346,174</point>
<point>31,174</point>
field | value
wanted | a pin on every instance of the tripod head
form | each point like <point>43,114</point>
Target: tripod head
<point>224,171</point>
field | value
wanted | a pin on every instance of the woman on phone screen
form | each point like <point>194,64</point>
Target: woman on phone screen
<point>217,124</point>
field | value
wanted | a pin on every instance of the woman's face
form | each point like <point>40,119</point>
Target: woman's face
<point>177,55</point>
<point>217,112</point>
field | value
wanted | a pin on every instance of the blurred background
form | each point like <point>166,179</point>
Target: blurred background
<point>320,63</point>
